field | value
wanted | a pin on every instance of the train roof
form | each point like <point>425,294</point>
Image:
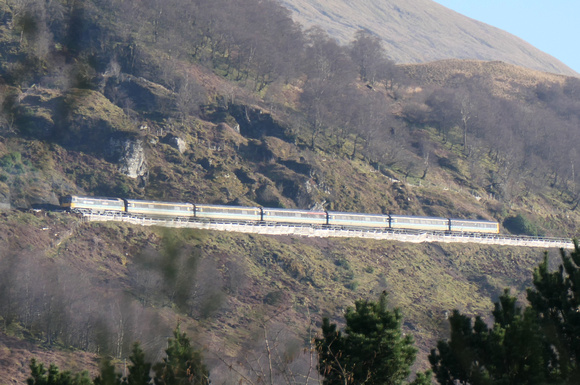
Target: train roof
<point>228,206</point>
<point>157,202</point>
<point>92,197</point>
<point>359,214</point>
<point>473,220</point>
<point>294,210</point>
<point>417,217</point>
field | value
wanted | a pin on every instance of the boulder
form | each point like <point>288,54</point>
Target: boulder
<point>175,142</point>
<point>129,153</point>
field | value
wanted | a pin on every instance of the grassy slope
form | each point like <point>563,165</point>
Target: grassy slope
<point>312,277</point>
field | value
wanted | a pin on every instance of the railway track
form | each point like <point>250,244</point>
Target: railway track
<point>330,231</point>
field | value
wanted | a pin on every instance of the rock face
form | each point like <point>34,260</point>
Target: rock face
<point>144,94</point>
<point>175,142</point>
<point>130,155</point>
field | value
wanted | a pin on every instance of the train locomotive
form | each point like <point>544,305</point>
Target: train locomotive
<point>190,211</point>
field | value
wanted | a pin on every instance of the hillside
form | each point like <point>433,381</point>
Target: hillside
<point>217,104</point>
<point>509,81</point>
<point>419,31</point>
<point>239,286</point>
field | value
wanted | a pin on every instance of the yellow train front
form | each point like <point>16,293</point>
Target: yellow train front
<point>87,204</point>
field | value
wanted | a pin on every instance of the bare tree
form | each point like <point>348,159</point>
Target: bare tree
<point>190,96</point>
<point>277,357</point>
<point>369,55</point>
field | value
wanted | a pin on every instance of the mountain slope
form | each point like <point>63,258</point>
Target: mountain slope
<point>174,116</point>
<point>416,31</point>
<point>239,287</point>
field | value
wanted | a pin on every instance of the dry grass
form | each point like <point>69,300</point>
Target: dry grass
<point>315,278</point>
<point>508,80</point>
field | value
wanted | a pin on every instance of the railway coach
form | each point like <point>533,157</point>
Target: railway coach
<point>228,213</point>
<point>474,226</point>
<point>294,216</point>
<point>358,220</point>
<point>156,209</point>
<point>86,204</point>
<point>419,223</point>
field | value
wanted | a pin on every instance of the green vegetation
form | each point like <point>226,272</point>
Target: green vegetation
<point>520,224</point>
<point>538,345</point>
<point>372,350</point>
<point>39,375</point>
<point>182,366</point>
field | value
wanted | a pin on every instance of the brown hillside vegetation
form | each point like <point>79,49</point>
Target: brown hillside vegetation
<point>508,80</point>
<point>15,355</point>
<point>242,284</point>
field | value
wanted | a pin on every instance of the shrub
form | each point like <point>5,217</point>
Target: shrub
<point>521,225</point>
<point>273,297</point>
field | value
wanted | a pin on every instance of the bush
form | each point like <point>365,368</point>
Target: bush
<point>352,285</point>
<point>521,225</point>
<point>273,298</point>
<point>342,262</point>
<point>10,160</point>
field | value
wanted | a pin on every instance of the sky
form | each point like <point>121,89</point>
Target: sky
<point>552,26</point>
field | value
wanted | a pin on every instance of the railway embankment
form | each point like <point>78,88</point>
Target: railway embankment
<point>329,231</point>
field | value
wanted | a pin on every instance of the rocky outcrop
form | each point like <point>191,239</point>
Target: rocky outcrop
<point>175,142</point>
<point>129,153</point>
<point>145,95</point>
<point>255,123</point>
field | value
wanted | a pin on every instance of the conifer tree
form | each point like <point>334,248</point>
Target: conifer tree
<point>39,375</point>
<point>510,353</point>
<point>556,299</point>
<point>372,350</point>
<point>183,364</point>
<point>139,370</point>
<point>107,375</point>
<point>540,345</point>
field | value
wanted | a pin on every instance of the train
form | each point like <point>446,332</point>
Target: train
<point>209,212</point>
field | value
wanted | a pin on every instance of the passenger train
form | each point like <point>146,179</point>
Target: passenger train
<point>187,211</point>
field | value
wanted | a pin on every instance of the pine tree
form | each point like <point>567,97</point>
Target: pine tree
<point>556,299</point>
<point>39,375</point>
<point>139,370</point>
<point>372,350</point>
<point>107,375</point>
<point>511,353</point>
<point>183,364</point>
